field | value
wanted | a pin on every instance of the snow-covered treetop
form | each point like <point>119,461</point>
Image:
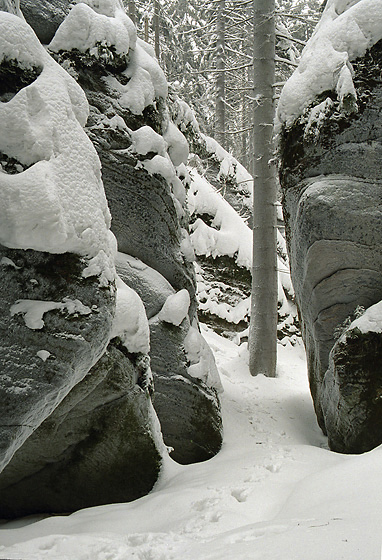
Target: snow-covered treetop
<point>346,30</point>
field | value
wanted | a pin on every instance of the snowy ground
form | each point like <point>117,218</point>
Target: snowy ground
<point>273,492</point>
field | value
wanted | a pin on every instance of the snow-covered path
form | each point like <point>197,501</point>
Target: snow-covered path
<point>273,492</point>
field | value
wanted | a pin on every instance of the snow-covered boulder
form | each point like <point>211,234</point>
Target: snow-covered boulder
<point>186,380</point>
<point>351,393</point>
<point>331,179</point>
<point>59,304</point>
<point>140,149</point>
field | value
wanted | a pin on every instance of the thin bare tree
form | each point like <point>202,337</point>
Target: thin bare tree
<point>263,327</point>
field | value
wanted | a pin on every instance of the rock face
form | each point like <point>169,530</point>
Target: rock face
<point>188,409</point>
<point>100,443</point>
<point>139,152</point>
<point>49,345</point>
<point>331,180</point>
<point>77,426</point>
<point>44,17</point>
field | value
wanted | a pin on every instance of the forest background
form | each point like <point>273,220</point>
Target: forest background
<point>205,49</point>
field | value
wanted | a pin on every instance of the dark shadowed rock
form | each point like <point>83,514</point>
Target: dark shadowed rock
<point>331,180</point>
<point>69,320</point>
<point>100,445</point>
<point>45,17</point>
<point>188,410</point>
<point>351,393</point>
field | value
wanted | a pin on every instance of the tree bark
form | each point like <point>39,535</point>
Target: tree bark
<point>132,14</point>
<point>146,28</point>
<point>263,326</point>
<point>220,75</point>
<point>156,29</point>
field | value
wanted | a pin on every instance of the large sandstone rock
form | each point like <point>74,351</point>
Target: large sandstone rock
<point>331,179</point>
<point>100,445</point>
<point>188,409</point>
<point>68,438</point>
<point>150,224</point>
<point>54,325</point>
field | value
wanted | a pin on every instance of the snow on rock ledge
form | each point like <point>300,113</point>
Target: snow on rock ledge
<point>175,308</point>
<point>57,203</point>
<point>345,31</point>
<point>130,322</point>
<point>370,321</point>
<point>228,234</point>
<point>84,28</point>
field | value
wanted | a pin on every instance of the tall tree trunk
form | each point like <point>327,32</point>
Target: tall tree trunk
<point>146,28</point>
<point>263,326</point>
<point>156,29</point>
<point>220,75</point>
<point>132,14</point>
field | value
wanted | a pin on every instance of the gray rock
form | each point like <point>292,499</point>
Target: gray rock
<point>188,410</point>
<point>32,383</point>
<point>45,17</point>
<point>331,181</point>
<point>353,385</point>
<point>99,446</point>
<point>334,232</point>
<point>149,284</point>
<point>145,222</point>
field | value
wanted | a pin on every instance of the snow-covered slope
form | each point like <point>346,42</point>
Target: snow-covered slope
<point>273,492</point>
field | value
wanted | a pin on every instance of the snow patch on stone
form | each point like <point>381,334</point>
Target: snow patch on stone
<point>34,310</point>
<point>202,362</point>
<point>175,308</point>
<point>370,321</point>
<point>147,82</point>
<point>130,321</point>
<point>43,354</point>
<point>5,261</point>
<point>146,140</point>
<point>177,145</point>
<point>159,165</point>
